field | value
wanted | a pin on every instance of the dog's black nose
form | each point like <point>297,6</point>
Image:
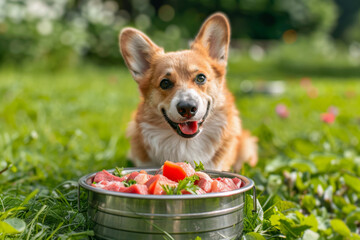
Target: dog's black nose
<point>187,108</point>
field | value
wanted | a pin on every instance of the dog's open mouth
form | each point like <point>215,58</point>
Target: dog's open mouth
<point>187,129</point>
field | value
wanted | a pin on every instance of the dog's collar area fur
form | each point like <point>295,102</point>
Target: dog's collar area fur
<point>176,127</point>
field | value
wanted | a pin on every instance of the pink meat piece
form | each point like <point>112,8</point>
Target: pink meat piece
<point>200,191</point>
<point>162,180</point>
<point>142,178</point>
<point>100,184</point>
<point>188,169</point>
<point>203,175</point>
<point>114,186</point>
<point>105,175</point>
<point>132,176</point>
<point>238,182</point>
<point>229,182</point>
<point>204,182</point>
<point>218,186</point>
<point>136,188</point>
<point>109,185</point>
<point>165,181</point>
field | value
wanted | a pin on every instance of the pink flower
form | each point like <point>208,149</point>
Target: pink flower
<point>328,117</point>
<point>334,110</point>
<point>282,111</point>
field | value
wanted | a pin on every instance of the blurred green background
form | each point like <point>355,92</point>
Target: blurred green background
<point>58,33</point>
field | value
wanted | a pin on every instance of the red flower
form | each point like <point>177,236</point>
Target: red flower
<point>282,111</point>
<point>328,117</point>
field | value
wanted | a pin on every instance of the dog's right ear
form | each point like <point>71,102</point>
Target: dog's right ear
<point>138,51</point>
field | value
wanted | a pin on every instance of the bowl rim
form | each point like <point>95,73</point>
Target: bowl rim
<point>249,184</point>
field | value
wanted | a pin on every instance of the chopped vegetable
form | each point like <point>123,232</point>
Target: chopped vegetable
<point>173,171</point>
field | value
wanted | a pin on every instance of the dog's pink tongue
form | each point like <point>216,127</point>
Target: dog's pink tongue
<point>189,127</point>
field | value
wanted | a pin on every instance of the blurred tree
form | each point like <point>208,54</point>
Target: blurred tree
<point>53,30</point>
<point>349,10</point>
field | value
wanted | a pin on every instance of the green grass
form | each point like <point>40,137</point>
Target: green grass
<point>58,126</point>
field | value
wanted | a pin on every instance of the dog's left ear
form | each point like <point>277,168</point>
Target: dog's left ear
<point>214,38</point>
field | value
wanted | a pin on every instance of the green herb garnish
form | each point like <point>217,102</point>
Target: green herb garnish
<point>186,184</point>
<point>169,190</point>
<point>118,172</point>
<point>129,183</point>
<point>199,166</point>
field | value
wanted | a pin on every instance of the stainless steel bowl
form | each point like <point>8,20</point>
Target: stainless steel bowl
<point>116,215</point>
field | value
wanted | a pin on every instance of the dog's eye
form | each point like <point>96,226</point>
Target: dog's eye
<point>166,84</point>
<point>200,79</point>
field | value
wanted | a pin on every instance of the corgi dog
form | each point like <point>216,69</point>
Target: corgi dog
<point>186,111</point>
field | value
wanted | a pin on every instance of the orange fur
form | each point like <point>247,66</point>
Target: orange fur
<point>229,146</point>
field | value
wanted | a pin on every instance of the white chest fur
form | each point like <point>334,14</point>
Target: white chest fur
<point>165,144</point>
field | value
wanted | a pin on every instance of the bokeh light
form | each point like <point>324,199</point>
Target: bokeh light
<point>166,13</point>
<point>289,36</point>
<point>256,52</point>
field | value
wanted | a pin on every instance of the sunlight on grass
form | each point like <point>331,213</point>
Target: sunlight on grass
<point>58,126</point>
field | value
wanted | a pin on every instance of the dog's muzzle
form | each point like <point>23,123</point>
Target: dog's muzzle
<point>188,129</point>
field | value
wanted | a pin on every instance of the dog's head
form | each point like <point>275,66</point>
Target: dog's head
<point>180,87</point>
